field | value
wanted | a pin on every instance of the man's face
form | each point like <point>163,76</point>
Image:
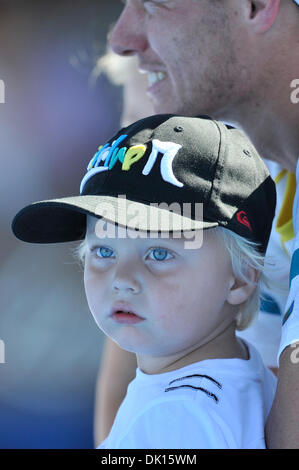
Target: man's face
<point>190,51</point>
<point>171,290</point>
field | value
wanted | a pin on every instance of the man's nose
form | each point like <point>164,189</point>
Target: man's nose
<point>128,36</point>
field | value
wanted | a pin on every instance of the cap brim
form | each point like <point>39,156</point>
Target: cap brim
<point>64,220</point>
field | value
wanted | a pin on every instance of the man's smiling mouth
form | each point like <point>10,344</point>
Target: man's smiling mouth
<point>154,77</point>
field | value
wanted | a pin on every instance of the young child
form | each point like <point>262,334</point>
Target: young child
<point>175,214</point>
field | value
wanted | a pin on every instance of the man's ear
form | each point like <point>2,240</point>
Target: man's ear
<point>263,14</point>
<point>241,290</point>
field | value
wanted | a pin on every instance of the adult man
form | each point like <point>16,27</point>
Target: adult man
<point>236,60</point>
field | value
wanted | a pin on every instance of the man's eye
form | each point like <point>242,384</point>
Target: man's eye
<point>152,5</point>
<point>103,252</point>
<point>160,254</point>
<point>157,2</point>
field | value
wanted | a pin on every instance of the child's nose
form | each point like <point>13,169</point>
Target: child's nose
<point>126,281</point>
<point>126,285</point>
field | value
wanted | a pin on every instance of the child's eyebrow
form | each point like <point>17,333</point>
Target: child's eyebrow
<point>93,235</point>
<point>90,235</point>
<point>174,241</point>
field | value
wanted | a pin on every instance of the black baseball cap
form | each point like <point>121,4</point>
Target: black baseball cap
<point>157,167</point>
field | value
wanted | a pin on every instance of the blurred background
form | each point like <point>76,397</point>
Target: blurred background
<point>51,124</point>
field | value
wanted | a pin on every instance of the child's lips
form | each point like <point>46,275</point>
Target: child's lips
<point>123,313</point>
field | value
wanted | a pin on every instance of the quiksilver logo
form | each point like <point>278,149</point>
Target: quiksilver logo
<point>243,219</point>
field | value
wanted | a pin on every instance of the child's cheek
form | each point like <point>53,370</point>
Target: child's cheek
<point>93,290</point>
<point>167,302</point>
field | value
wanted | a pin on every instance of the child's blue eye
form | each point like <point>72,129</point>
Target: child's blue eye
<point>156,254</point>
<point>104,252</point>
<point>160,254</point>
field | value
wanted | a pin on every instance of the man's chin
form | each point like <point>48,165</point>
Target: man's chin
<point>164,106</point>
<point>175,108</point>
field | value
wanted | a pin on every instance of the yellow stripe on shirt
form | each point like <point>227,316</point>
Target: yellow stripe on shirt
<point>284,224</point>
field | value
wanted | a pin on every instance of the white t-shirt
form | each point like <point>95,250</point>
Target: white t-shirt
<point>290,321</point>
<point>212,404</point>
<point>265,332</point>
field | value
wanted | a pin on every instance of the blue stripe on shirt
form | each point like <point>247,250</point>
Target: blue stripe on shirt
<point>294,271</point>
<point>269,305</point>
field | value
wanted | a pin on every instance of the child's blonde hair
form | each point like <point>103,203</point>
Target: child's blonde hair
<point>244,254</point>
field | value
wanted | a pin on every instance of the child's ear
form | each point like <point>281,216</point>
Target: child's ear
<point>241,290</point>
